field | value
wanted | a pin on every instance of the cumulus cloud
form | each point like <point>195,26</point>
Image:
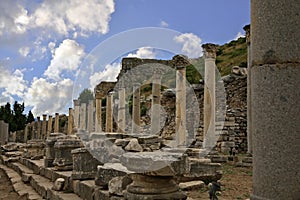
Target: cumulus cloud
<point>191,44</point>
<point>13,18</point>
<point>69,15</point>
<point>48,97</point>
<point>110,73</point>
<point>12,83</point>
<point>66,57</point>
<point>143,52</point>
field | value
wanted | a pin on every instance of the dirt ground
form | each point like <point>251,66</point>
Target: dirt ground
<point>6,190</point>
<point>236,183</point>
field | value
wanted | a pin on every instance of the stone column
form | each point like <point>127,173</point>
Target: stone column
<point>3,132</point>
<point>136,112</point>
<point>82,124</point>
<point>49,129</point>
<point>275,97</point>
<point>109,113</point>
<point>70,122</point>
<point>209,93</point>
<point>56,123</point>
<point>98,125</point>
<point>180,63</point>
<point>155,107</point>
<point>121,110</point>
<point>44,127</point>
<point>76,113</point>
<point>90,117</point>
<point>25,133</point>
<point>38,136</point>
<point>249,134</point>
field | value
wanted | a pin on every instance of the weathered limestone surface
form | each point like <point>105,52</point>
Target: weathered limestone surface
<point>49,126</point>
<point>3,132</point>
<point>109,113</point>
<point>84,164</point>
<point>63,156</point>
<point>90,117</point>
<point>82,122</point>
<point>275,72</point>
<point>56,123</point>
<point>50,152</point>
<point>136,113</point>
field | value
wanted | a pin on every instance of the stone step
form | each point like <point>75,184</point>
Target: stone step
<point>18,185</point>
<point>40,180</point>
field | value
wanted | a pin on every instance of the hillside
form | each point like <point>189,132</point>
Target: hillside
<point>232,54</point>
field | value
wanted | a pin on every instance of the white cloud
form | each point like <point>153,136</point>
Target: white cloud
<point>51,46</point>
<point>13,18</point>
<point>164,24</point>
<point>24,51</point>
<point>70,15</point>
<point>143,52</point>
<point>48,97</point>
<point>110,73</point>
<point>12,83</point>
<point>191,44</point>
<point>66,57</point>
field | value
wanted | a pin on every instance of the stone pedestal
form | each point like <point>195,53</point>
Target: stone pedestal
<point>275,97</point>
<point>35,149</point>
<point>50,152</point>
<point>63,156</point>
<point>84,164</point>
<point>154,175</point>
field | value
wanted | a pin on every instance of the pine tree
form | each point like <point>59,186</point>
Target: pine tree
<point>30,117</point>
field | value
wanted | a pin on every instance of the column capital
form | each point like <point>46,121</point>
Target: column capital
<point>76,102</point>
<point>210,50</point>
<point>180,61</point>
<point>247,30</point>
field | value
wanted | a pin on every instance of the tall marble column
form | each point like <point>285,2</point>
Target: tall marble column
<point>180,63</point>
<point>49,129</point>
<point>76,113</point>
<point>70,122</point>
<point>39,127</point>
<point>136,111</point>
<point>82,116</point>
<point>98,124</point>
<point>249,132</point>
<point>44,127</point>
<point>121,110</point>
<point>90,117</point>
<point>155,107</point>
<point>109,113</point>
<point>56,123</point>
<point>209,94</point>
<point>275,97</point>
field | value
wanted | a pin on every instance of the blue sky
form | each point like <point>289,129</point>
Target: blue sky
<point>45,46</point>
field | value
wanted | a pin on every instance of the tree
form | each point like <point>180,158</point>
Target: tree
<point>85,96</point>
<point>30,117</point>
<point>19,119</point>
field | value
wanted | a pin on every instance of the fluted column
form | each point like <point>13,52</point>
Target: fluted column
<point>44,127</point>
<point>155,107</point>
<point>121,110</point>
<point>76,113</point>
<point>209,93</point>
<point>70,122</point>
<point>98,124</point>
<point>49,129</point>
<point>82,116</point>
<point>136,113</point>
<point>56,123</point>
<point>90,117</point>
<point>109,113</point>
<point>275,97</point>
